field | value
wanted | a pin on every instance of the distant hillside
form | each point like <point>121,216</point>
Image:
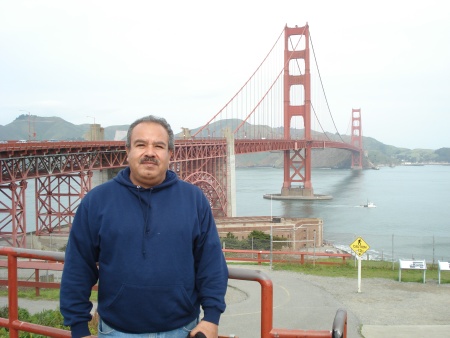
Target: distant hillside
<point>26,127</point>
<point>44,128</point>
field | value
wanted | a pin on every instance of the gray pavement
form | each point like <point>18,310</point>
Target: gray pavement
<point>297,305</point>
<point>305,302</point>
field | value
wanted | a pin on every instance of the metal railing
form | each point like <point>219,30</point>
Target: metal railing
<point>12,323</point>
<point>301,257</point>
<point>339,328</point>
<point>37,257</point>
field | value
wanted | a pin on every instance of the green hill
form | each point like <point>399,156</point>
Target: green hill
<point>26,127</point>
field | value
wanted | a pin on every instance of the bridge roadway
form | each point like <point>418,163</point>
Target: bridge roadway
<point>34,159</point>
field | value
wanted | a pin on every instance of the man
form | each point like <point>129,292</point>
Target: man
<point>151,242</point>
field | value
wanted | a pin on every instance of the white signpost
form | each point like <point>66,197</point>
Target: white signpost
<point>411,265</point>
<point>359,246</point>
<point>442,266</point>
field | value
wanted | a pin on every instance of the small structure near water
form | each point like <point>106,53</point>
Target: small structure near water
<point>299,233</point>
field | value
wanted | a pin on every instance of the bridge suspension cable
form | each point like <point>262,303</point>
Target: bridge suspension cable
<point>256,110</point>
<point>324,94</point>
<point>198,132</point>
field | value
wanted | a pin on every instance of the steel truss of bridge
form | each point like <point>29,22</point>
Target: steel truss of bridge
<point>71,164</point>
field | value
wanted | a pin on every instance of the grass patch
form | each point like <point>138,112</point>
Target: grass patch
<point>44,294</point>
<point>369,269</point>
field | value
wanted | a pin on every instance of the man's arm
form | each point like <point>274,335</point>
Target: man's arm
<point>80,274</point>
<point>211,273</point>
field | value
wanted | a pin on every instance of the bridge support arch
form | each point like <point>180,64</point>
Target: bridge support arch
<point>212,190</point>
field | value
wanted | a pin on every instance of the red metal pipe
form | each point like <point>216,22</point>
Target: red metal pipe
<point>40,329</point>
<point>266,307</point>
<point>13,299</point>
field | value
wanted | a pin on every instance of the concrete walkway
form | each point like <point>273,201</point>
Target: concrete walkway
<point>298,304</point>
<point>302,305</point>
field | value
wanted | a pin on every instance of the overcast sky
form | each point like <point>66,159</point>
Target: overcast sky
<point>115,61</point>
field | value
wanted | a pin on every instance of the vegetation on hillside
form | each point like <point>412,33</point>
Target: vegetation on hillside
<point>256,240</point>
<point>32,127</point>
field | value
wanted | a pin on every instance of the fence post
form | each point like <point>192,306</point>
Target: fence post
<point>13,299</point>
<point>392,252</point>
<point>433,250</point>
<point>36,278</point>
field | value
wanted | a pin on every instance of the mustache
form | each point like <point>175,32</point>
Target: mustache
<point>147,159</point>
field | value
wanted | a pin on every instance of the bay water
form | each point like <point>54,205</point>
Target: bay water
<point>411,219</point>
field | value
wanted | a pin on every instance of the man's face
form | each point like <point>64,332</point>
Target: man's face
<point>149,154</point>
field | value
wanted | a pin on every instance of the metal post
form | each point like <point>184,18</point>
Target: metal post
<point>314,252</point>
<point>293,234</point>
<point>433,249</point>
<point>252,249</point>
<point>392,252</point>
<point>271,232</point>
<point>359,274</point>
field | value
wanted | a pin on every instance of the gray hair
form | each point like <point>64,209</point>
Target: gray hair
<point>153,119</point>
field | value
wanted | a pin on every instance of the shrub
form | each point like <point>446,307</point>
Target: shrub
<point>50,318</point>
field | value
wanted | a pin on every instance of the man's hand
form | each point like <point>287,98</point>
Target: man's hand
<point>210,330</point>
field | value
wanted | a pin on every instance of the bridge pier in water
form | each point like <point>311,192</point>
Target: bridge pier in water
<point>297,193</point>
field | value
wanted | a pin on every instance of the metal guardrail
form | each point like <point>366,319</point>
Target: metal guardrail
<point>14,325</point>
<point>339,328</point>
<point>301,257</point>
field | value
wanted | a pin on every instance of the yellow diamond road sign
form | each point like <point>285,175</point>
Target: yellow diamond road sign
<point>359,246</point>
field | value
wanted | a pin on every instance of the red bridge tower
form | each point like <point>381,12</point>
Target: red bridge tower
<point>297,163</point>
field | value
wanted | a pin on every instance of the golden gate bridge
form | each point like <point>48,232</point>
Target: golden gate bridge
<point>264,115</point>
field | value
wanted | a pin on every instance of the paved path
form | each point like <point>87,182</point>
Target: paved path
<point>384,308</point>
<point>297,305</point>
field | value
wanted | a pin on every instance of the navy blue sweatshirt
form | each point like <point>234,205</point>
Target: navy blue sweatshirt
<point>155,253</point>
